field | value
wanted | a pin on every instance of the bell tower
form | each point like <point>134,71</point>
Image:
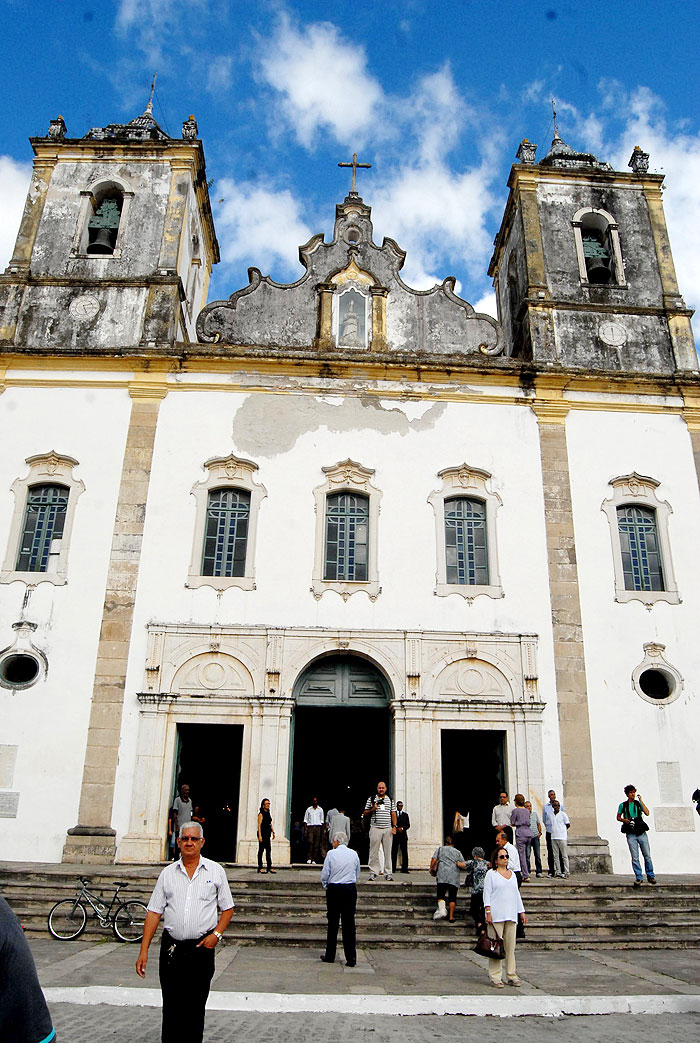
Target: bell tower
<point>116,244</point>
<point>583,270</point>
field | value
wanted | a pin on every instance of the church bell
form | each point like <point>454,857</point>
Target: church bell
<point>102,241</point>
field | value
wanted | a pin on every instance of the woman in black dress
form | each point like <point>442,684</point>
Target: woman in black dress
<point>265,834</point>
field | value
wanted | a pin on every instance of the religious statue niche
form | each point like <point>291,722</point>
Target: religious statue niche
<point>351,328</point>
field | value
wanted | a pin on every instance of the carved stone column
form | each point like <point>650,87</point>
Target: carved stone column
<point>588,851</point>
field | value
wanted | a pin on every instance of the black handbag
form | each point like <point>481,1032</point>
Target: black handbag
<point>490,946</point>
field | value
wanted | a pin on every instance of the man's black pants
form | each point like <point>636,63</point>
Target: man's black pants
<point>551,868</point>
<point>341,901</point>
<point>399,842</point>
<point>185,977</point>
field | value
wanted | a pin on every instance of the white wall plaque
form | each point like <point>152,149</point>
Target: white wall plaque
<point>8,758</point>
<point>674,820</point>
<point>670,786</point>
<point>9,802</point>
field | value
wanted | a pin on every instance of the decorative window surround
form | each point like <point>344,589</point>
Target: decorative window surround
<point>90,199</point>
<point>655,663</point>
<point>225,472</point>
<point>44,469</point>
<point>606,223</point>
<point>346,476</point>
<point>635,489</point>
<point>470,482</point>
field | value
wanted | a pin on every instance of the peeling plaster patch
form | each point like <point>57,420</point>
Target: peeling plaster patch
<point>295,415</point>
<point>413,410</point>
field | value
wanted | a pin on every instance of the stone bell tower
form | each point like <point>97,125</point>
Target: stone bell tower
<point>116,243</point>
<point>583,270</point>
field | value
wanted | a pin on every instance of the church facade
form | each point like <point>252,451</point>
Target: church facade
<point>326,533</point>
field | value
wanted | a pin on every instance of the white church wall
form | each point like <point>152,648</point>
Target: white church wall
<point>291,437</point>
<point>634,741</point>
<point>48,722</point>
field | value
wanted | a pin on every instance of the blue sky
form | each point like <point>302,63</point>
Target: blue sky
<point>435,95</point>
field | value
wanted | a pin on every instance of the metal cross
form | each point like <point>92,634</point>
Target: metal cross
<point>355,165</point>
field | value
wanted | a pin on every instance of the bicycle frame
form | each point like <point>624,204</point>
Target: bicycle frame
<point>102,911</point>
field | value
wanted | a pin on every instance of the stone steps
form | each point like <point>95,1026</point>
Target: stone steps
<point>289,908</point>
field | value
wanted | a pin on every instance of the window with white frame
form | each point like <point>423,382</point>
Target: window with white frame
<point>227,507</point>
<point>465,525</point>
<point>347,524</point>
<point>598,250</point>
<point>42,520</point>
<point>641,547</point>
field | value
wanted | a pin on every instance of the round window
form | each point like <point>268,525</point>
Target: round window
<point>656,684</point>
<point>19,670</point>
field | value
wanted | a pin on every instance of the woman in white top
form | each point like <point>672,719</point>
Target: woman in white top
<point>502,906</point>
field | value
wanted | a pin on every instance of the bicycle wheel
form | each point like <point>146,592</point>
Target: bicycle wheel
<point>129,920</point>
<point>67,919</point>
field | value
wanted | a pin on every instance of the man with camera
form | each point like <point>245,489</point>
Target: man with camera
<point>635,829</point>
<point>382,816</point>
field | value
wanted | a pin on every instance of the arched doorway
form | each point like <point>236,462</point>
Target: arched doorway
<point>342,741</point>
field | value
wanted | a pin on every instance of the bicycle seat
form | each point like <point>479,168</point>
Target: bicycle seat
<point>84,879</point>
<point>120,883</point>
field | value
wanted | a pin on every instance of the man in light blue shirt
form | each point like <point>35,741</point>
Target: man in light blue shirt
<point>339,876</point>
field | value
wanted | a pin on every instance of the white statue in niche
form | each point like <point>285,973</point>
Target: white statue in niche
<point>351,319</point>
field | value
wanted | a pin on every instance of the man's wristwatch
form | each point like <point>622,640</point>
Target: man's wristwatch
<point>218,934</point>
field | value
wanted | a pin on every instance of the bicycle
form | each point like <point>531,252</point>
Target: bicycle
<point>68,917</point>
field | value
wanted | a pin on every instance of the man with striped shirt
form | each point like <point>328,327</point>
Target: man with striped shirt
<point>194,899</point>
<point>382,812</point>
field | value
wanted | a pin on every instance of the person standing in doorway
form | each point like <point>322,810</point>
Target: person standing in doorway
<point>500,816</point>
<point>399,841</point>
<point>630,813</point>
<point>194,899</point>
<point>339,824</point>
<point>339,876</point>
<point>533,844</point>
<point>313,831</point>
<point>266,835</point>
<point>460,826</point>
<point>182,807</point>
<point>382,815</point>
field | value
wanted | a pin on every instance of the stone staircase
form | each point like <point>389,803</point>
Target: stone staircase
<point>289,908</point>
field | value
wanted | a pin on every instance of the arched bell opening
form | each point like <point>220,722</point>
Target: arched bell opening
<point>342,742</point>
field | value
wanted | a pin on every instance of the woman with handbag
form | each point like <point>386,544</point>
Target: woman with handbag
<point>503,907</point>
<point>635,829</point>
<point>445,866</point>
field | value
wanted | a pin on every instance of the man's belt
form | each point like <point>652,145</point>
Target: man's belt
<point>185,943</point>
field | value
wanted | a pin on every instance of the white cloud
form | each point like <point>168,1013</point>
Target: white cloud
<point>487,304</point>
<point>14,182</point>
<point>324,82</point>
<point>260,226</point>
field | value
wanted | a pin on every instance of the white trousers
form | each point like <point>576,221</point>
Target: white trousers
<point>379,838</point>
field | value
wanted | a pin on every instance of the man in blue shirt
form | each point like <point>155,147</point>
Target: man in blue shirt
<point>339,876</point>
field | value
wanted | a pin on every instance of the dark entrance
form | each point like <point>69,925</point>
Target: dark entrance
<point>209,759</point>
<point>342,742</point>
<point>473,775</point>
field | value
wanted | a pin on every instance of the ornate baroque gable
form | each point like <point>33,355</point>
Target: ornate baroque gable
<point>350,298</point>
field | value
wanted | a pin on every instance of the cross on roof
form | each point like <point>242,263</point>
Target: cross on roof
<point>355,165</point>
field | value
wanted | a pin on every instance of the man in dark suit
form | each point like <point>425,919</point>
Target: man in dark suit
<point>400,839</point>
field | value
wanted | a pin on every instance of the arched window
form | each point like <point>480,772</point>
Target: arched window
<point>598,248</point>
<point>226,536</point>
<point>639,548</point>
<point>466,548</point>
<point>641,543</point>
<point>103,225</point>
<point>347,537</point>
<point>44,521</point>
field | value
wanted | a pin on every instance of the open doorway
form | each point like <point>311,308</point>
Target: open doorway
<point>209,759</point>
<point>340,753</point>
<point>473,775</point>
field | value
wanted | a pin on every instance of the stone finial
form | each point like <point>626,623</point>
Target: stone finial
<point>639,161</point>
<point>526,151</point>
<point>190,130</point>
<point>57,129</point>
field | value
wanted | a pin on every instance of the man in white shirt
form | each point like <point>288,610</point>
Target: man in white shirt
<point>339,876</point>
<point>560,824</point>
<point>194,898</point>
<point>182,810</point>
<point>546,818</point>
<point>500,816</point>
<point>313,831</point>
